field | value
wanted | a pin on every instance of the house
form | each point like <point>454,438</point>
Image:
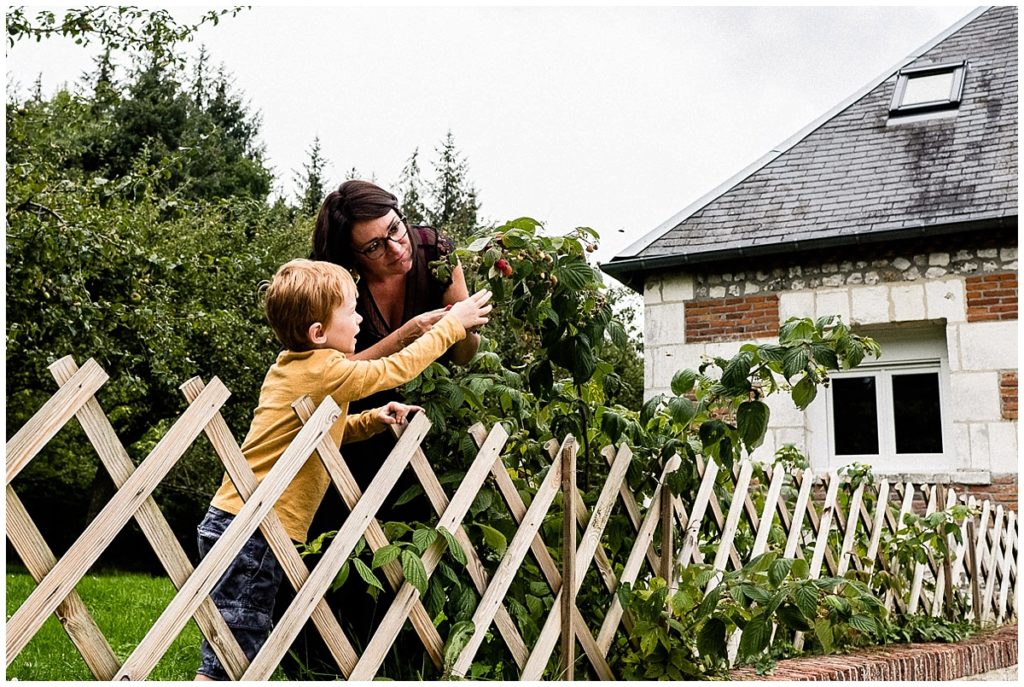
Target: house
<point>898,211</point>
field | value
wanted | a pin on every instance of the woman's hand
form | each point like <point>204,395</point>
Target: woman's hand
<point>472,312</point>
<point>395,413</point>
<point>418,326</point>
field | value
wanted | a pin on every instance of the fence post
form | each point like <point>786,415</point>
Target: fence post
<point>568,458</point>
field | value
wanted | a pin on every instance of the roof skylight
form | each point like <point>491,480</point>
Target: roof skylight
<point>925,89</point>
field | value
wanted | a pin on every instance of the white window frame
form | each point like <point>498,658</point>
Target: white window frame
<point>903,351</point>
<point>886,414</point>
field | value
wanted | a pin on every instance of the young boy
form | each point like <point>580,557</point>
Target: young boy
<point>311,307</point>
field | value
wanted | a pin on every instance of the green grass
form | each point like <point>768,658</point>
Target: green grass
<point>124,606</point>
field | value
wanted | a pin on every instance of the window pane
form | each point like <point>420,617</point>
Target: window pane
<point>855,416</point>
<point>927,89</point>
<point>915,403</point>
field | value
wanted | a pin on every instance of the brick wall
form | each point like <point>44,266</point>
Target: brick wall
<point>1008,395</point>
<point>1002,490</point>
<point>991,297</point>
<point>729,319</point>
<point>926,661</point>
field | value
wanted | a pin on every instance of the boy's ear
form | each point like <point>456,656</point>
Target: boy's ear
<point>316,334</point>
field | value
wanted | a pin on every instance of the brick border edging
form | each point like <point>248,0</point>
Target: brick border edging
<point>989,650</point>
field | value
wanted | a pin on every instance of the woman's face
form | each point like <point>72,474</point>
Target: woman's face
<point>396,255</point>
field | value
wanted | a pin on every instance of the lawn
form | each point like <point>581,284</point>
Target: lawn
<point>124,605</point>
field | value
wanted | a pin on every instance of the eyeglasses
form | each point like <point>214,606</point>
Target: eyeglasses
<point>375,248</point>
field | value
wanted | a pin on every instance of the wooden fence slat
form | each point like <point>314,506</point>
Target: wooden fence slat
<point>632,509</point>
<point>509,564</point>
<point>584,555</point>
<point>993,557</point>
<point>846,550</point>
<point>919,568</point>
<point>944,576</point>
<point>907,504</point>
<point>211,568</point>
<point>546,563</point>
<point>796,527</point>
<point>474,564</point>
<point>151,521</point>
<point>156,642</point>
<point>351,531</point>
<point>451,520</point>
<point>731,524</point>
<point>1004,586</point>
<point>242,476</point>
<point>55,587</point>
<point>881,503</point>
<point>635,560</point>
<point>73,615</point>
<point>568,591</point>
<point>347,487</point>
<point>706,490</point>
<point>767,514</point>
<point>716,511</point>
<point>821,545</point>
<point>973,571</point>
<point>55,413</point>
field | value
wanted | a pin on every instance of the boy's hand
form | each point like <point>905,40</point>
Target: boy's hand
<point>395,413</point>
<point>472,312</point>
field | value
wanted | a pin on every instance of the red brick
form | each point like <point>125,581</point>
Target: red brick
<point>991,297</point>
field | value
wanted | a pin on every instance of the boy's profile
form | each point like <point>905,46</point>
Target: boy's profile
<point>311,308</point>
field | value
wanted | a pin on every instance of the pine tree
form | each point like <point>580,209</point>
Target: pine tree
<point>310,180</point>
<point>410,190</point>
<point>454,202</point>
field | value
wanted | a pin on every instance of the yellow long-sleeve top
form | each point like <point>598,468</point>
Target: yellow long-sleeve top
<point>320,373</point>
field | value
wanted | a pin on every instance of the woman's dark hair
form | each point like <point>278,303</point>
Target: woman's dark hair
<point>354,201</point>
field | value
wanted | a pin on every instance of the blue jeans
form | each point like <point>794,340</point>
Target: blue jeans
<point>244,595</point>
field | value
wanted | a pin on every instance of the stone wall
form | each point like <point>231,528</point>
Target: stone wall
<point>831,273</point>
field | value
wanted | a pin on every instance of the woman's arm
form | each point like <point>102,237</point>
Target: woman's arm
<point>463,351</point>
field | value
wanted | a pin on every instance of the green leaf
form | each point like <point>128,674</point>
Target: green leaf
<point>681,409</point>
<point>790,616</point>
<point>795,361</point>
<point>613,425</point>
<point>865,624</point>
<point>340,578</point>
<point>711,432</point>
<point>708,604</point>
<point>494,539</point>
<point>823,631</point>
<point>649,408</point>
<point>367,574</point>
<point>415,573</point>
<point>423,537</point>
<point>409,494</point>
<point>778,570</point>
<point>806,599</point>
<point>683,381</point>
<point>385,555</point>
<point>801,569</point>
<point>574,273</point>
<point>755,637</point>
<point>804,392</point>
<point>711,639</point>
<point>752,422</point>
<point>796,330</point>
<point>458,637</point>
<point>734,377</point>
<point>454,548</point>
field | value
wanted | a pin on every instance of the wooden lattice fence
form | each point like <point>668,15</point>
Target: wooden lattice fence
<point>834,528</point>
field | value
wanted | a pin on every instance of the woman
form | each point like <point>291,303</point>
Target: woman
<point>360,226</point>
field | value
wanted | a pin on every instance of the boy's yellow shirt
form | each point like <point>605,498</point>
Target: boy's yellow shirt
<point>320,373</point>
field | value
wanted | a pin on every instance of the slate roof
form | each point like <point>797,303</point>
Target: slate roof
<point>851,178</point>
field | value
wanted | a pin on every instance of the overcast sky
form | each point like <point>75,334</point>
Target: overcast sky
<point>610,117</point>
